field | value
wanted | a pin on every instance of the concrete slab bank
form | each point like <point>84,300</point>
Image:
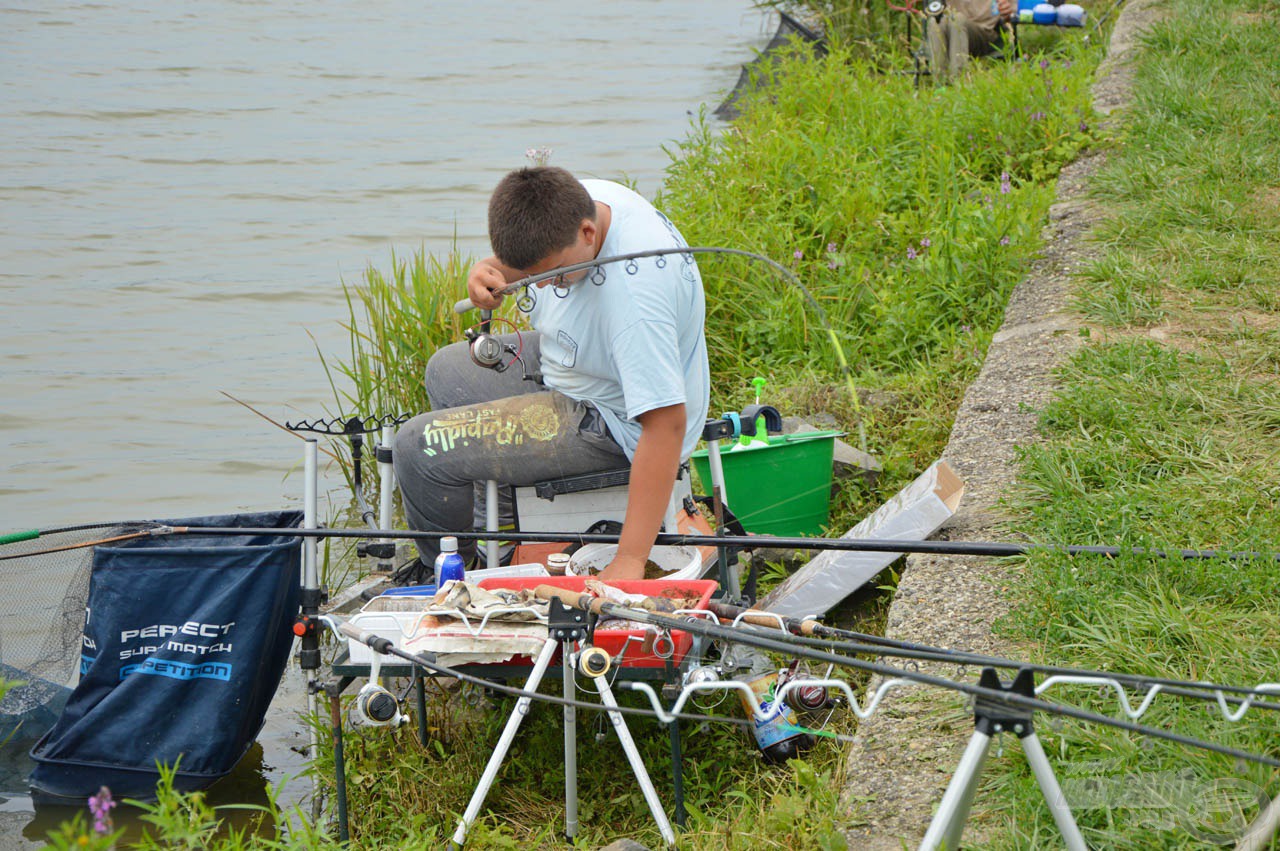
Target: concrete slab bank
<point>903,756</point>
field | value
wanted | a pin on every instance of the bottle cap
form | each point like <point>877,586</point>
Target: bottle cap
<point>449,544</point>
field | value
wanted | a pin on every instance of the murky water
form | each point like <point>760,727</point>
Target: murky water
<point>185,186</point>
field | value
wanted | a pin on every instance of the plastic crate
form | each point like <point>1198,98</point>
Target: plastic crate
<point>613,641</point>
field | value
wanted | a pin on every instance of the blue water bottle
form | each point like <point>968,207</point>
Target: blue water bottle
<point>449,564</point>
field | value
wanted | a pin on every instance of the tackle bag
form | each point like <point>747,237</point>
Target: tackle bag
<point>185,640</point>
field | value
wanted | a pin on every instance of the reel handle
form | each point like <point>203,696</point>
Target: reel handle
<point>463,306</point>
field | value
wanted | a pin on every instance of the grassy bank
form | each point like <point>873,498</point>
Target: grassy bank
<point>1167,434</point>
<point>910,213</point>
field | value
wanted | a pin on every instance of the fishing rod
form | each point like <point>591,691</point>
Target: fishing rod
<point>810,633</point>
<point>594,604</point>
<point>745,542</point>
<point>526,302</point>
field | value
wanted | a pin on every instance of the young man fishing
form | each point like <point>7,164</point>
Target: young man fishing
<point>624,374</point>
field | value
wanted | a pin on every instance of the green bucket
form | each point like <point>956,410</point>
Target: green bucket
<point>781,489</point>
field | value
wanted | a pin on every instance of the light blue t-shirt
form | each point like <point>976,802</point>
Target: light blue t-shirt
<point>630,340</point>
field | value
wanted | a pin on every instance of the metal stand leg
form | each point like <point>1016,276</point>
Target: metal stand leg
<point>677,771</point>
<point>504,744</point>
<point>953,812</point>
<point>637,764</point>
<point>570,746</point>
<point>1052,793</point>
<point>994,717</point>
<point>339,764</point>
<point>420,701</point>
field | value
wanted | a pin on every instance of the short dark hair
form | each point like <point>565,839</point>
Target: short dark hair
<point>534,212</point>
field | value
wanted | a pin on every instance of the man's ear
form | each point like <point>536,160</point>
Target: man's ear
<point>588,230</point>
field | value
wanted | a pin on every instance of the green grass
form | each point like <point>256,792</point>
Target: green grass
<point>1166,434</point>
<point>843,172</point>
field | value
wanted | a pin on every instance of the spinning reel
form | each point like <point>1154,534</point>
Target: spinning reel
<point>375,705</point>
<point>488,351</point>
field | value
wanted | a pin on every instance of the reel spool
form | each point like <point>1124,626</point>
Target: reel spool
<point>376,706</point>
<point>594,662</point>
<point>486,349</point>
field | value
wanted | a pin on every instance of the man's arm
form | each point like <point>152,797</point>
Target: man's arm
<point>653,474</point>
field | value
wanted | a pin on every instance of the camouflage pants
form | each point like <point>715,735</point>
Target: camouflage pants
<point>489,425</point>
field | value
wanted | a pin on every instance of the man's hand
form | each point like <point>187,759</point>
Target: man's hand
<point>624,567</point>
<point>1007,9</point>
<point>483,281</point>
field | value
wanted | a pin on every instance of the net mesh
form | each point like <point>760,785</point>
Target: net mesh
<point>41,622</point>
<point>753,72</point>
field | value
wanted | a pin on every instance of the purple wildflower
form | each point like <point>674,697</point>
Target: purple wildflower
<point>1004,240</point>
<point>1006,186</point>
<point>1037,116</point>
<point>1084,127</point>
<point>832,264</point>
<point>799,255</point>
<point>926,242</point>
<point>831,248</point>
<point>911,252</point>
<point>100,805</point>
<point>1044,64</point>
<point>1066,63</point>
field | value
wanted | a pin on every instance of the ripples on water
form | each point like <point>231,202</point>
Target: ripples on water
<point>185,186</point>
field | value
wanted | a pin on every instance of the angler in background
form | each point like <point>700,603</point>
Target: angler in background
<point>982,24</point>
<point>623,366</point>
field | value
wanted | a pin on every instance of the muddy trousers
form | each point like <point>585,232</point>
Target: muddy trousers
<point>490,425</point>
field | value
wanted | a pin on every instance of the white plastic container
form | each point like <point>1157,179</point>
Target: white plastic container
<point>533,568</point>
<point>396,616</point>
<point>681,562</point>
<point>393,617</point>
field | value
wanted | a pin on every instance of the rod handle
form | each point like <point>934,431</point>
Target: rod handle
<point>572,599</point>
<point>376,642</point>
<point>589,603</point>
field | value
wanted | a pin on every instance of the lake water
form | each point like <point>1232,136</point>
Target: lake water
<point>185,187</point>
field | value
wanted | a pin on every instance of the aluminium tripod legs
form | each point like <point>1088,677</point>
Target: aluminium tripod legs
<point>991,717</point>
<point>504,744</point>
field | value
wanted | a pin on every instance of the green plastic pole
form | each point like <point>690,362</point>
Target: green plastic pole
<point>14,537</point>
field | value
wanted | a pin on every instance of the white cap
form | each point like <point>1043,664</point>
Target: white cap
<point>448,544</point>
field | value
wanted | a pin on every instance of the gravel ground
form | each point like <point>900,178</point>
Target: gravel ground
<point>904,755</point>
